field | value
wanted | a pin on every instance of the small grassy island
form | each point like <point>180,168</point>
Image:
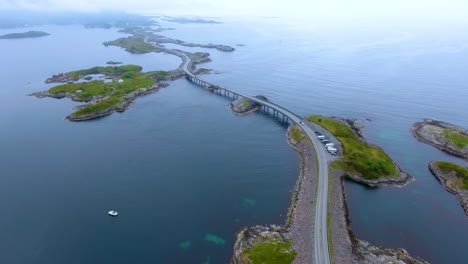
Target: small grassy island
<point>361,161</point>
<point>444,136</point>
<point>29,34</point>
<point>260,244</point>
<point>454,178</point>
<point>132,44</point>
<point>105,89</point>
<point>244,106</point>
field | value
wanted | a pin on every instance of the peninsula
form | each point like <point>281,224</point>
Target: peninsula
<point>293,242</point>
<point>454,178</point>
<point>28,34</point>
<point>361,161</point>
<point>444,136</point>
<point>145,41</point>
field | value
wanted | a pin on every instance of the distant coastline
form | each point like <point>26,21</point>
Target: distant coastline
<point>28,34</point>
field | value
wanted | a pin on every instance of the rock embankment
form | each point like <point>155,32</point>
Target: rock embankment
<point>249,236</point>
<point>347,249</point>
<point>449,181</point>
<point>434,132</point>
<point>365,253</point>
<point>244,106</point>
<point>301,213</point>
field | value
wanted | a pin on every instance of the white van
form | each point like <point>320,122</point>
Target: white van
<point>332,149</point>
<point>329,145</point>
<point>321,137</point>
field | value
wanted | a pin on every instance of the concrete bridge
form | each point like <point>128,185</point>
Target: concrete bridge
<point>321,253</point>
<point>268,107</point>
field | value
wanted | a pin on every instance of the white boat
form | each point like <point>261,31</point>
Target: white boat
<point>112,213</point>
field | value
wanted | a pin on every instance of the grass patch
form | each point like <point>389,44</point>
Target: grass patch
<point>132,80</point>
<point>296,133</point>
<point>271,252</point>
<point>108,71</point>
<point>462,172</point>
<point>159,74</point>
<point>132,44</point>
<point>358,157</point>
<point>98,107</point>
<point>457,139</point>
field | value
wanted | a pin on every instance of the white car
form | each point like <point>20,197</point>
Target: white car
<point>301,123</point>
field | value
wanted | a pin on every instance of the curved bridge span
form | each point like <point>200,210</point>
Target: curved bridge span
<point>321,253</point>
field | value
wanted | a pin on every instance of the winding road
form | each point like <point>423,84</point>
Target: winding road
<point>320,235</point>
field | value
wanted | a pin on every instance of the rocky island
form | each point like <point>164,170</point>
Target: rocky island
<point>454,178</point>
<point>28,34</point>
<point>444,136</point>
<point>244,106</point>
<point>145,41</point>
<point>104,89</point>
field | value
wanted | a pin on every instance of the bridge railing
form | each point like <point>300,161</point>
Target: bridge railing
<point>258,100</point>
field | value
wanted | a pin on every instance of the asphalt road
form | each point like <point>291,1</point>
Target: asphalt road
<point>322,255</point>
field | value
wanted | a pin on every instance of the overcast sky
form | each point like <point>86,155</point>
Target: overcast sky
<point>454,9</point>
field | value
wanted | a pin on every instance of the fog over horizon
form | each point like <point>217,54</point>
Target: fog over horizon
<point>427,10</point>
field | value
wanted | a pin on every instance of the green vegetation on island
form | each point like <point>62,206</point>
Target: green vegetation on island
<point>113,62</point>
<point>29,34</point>
<point>296,133</point>
<point>271,252</point>
<point>133,44</point>
<point>442,135</point>
<point>122,85</point>
<point>456,138</point>
<point>454,178</point>
<point>460,173</point>
<point>110,71</point>
<point>368,161</point>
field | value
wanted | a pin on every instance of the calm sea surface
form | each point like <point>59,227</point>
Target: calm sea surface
<point>185,173</point>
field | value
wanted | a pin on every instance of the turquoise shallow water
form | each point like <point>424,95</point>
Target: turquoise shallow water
<point>185,174</point>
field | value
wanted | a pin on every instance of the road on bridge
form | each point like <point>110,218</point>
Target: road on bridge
<point>320,236</point>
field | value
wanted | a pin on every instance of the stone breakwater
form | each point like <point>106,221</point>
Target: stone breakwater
<point>365,253</point>
<point>448,181</point>
<point>302,210</point>
<point>432,132</point>
<point>299,223</point>
<point>347,249</point>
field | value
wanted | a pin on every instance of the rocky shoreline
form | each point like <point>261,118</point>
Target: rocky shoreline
<point>447,180</point>
<point>244,106</point>
<point>347,249</point>
<point>302,209</point>
<point>249,236</point>
<point>299,223</point>
<point>121,107</point>
<point>432,132</point>
<point>400,179</point>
